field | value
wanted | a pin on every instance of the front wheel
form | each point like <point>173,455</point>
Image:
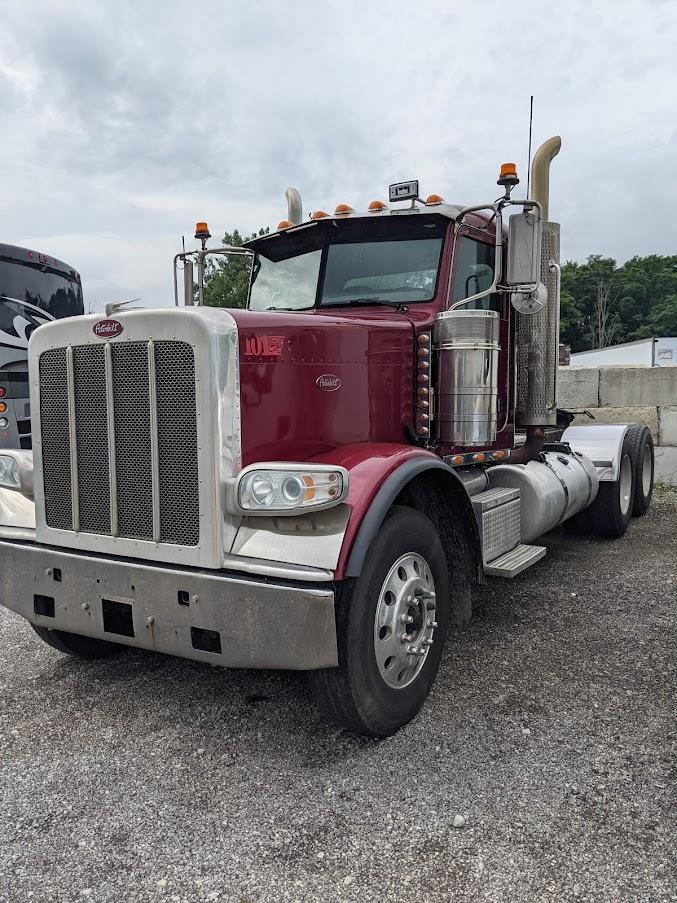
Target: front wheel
<point>391,627</point>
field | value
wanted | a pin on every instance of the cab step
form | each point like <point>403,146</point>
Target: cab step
<point>498,520</point>
<point>512,563</point>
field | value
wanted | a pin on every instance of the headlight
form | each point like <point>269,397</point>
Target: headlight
<point>284,489</point>
<point>9,473</point>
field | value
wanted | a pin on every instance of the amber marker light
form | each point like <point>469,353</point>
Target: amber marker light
<point>479,457</point>
<point>343,208</point>
<point>376,206</point>
<point>433,200</point>
<point>284,224</point>
<point>318,214</point>
<point>3,407</point>
<point>457,459</point>
<point>508,174</point>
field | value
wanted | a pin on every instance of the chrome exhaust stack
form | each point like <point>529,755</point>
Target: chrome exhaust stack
<point>537,339</point>
<point>294,206</point>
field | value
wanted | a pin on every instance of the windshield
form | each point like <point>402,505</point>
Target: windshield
<point>354,261</point>
<point>50,290</point>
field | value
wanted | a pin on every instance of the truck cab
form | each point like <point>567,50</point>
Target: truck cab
<point>319,481</point>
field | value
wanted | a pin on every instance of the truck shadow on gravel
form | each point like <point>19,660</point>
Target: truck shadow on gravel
<point>527,639</point>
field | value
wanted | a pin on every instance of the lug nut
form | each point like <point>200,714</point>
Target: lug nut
<point>432,625</point>
<point>406,619</point>
<point>412,650</point>
<point>427,641</point>
<point>407,637</point>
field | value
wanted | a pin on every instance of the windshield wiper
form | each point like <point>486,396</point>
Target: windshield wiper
<point>357,302</point>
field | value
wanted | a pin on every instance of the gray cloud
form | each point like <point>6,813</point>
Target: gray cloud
<point>125,122</point>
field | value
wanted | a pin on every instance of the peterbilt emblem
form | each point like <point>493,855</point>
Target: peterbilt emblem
<point>107,329</point>
<point>328,382</point>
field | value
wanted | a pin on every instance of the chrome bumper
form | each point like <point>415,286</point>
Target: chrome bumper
<point>236,622</point>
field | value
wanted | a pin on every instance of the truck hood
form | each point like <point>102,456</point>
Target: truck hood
<point>310,382</point>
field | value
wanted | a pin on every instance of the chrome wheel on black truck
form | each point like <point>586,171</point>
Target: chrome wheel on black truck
<point>391,623</point>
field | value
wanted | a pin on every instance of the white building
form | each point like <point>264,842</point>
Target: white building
<point>649,352</point>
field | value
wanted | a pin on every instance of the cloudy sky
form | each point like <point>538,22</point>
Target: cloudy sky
<point>125,121</point>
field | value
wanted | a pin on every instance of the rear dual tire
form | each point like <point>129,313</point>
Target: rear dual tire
<point>630,495</point>
<point>641,451</point>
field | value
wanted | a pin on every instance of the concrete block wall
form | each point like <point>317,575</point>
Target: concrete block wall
<point>628,395</point>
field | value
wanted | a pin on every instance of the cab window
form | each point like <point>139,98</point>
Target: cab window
<point>474,272</point>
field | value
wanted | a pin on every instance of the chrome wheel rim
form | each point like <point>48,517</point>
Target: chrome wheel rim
<point>646,471</point>
<point>625,487</point>
<point>405,620</point>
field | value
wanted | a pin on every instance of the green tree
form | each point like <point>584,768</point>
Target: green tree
<point>602,303</point>
<point>226,282</point>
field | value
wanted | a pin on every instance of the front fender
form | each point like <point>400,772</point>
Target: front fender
<point>379,472</point>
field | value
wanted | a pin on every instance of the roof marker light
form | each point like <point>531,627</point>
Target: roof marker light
<point>284,224</point>
<point>343,208</point>
<point>377,206</point>
<point>433,200</point>
<point>202,230</point>
<point>318,214</point>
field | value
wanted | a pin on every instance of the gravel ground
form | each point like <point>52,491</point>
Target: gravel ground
<point>547,738</point>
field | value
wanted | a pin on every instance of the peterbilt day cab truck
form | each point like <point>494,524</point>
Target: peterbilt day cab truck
<point>316,482</point>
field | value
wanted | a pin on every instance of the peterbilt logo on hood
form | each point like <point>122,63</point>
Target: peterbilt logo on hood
<point>18,321</point>
<point>328,382</point>
<point>107,329</point>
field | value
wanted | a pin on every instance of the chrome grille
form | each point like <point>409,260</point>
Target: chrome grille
<point>133,417</point>
<point>91,433</point>
<point>56,462</point>
<point>132,440</point>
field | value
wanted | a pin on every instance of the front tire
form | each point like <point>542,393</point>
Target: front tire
<point>391,624</point>
<point>76,644</point>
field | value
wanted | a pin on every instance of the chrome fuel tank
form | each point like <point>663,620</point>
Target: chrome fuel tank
<point>551,491</point>
<point>467,343</point>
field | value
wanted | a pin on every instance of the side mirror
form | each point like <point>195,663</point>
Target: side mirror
<point>524,249</point>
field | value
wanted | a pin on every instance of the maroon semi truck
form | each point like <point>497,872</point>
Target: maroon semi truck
<point>319,481</point>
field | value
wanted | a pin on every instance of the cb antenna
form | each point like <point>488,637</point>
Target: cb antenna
<point>531,119</point>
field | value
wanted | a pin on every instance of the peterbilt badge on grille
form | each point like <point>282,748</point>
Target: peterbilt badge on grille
<point>107,329</point>
<point>328,382</point>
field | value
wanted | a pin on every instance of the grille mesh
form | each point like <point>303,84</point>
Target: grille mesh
<point>132,440</point>
<point>56,461</point>
<point>92,438</point>
<point>177,442</point>
<point>176,414</point>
